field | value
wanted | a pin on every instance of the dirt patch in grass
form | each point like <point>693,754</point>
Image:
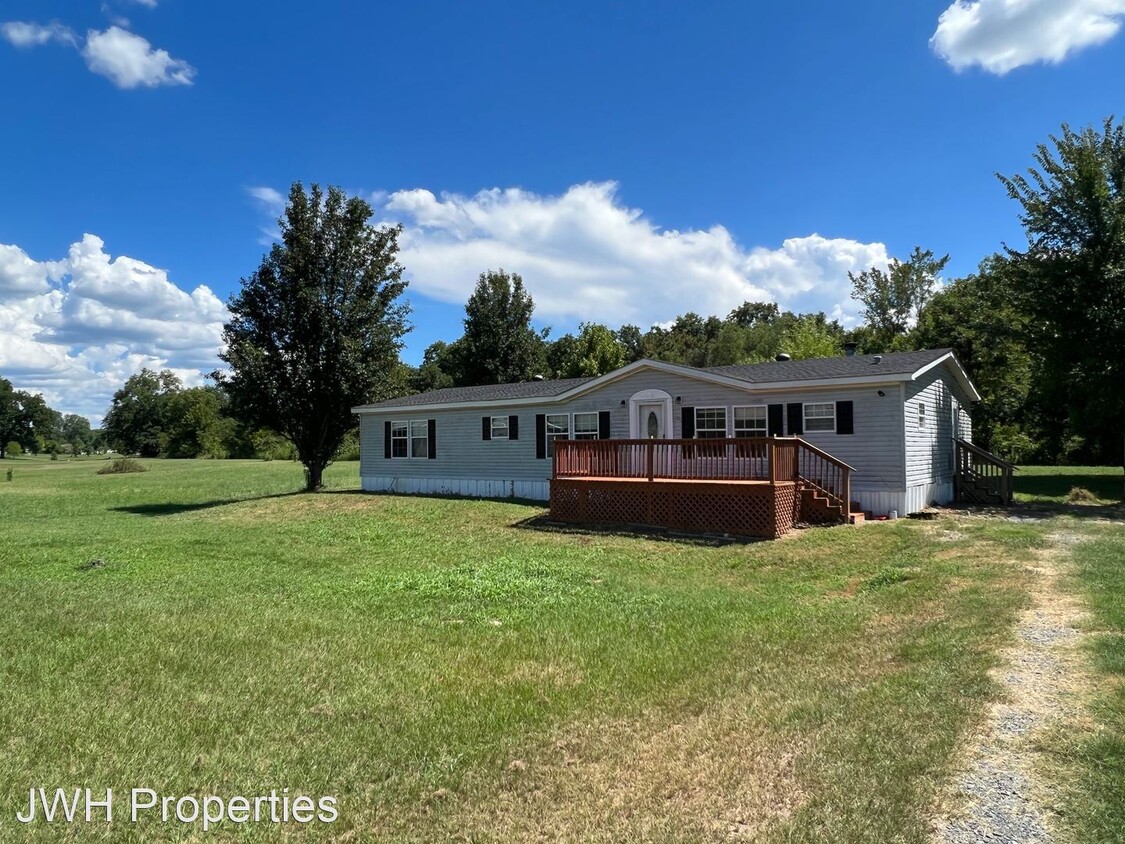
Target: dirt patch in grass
<point>716,775</point>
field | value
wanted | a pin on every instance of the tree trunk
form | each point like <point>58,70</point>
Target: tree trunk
<point>314,477</point>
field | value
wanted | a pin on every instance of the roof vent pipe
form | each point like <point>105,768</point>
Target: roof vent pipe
<point>849,350</point>
<point>877,359</point>
<point>782,357</point>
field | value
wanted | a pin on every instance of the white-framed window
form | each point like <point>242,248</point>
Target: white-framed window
<point>410,439</point>
<point>710,423</point>
<point>820,416</point>
<point>750,421</point>
<point>558,428</point>
<point>499,428</point>
<point>586,426</point>
<point>921,414</point>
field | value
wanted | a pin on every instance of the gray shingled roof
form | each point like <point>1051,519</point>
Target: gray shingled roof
<point>897,363</point>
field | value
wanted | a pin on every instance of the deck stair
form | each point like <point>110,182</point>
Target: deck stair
<point>981,477</point>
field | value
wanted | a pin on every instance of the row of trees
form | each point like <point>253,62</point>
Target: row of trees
<point>154,415</point>
<point>28,424</point>
<point>500,345</point>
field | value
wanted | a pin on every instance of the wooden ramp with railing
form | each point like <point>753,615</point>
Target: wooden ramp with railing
<point>761,487</point>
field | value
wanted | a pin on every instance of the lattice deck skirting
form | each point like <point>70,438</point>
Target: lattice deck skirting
<point>738,508</point>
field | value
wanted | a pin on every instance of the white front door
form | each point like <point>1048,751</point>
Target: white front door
<point>650,421</point>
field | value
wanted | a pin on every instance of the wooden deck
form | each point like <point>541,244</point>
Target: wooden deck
<point>761,487</point>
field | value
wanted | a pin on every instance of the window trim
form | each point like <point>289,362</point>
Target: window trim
<point>765,419</point>
<point>549,438</point>
<point>573,430</point>
<point>492,435</point>
<point>726,422</point>
<point>805,417</point>
<point>409,438</point>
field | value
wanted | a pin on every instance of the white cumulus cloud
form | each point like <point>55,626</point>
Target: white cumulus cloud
<point>76,328</point>
<point>585,255</point>
<point>125,58</point>
<point>23,34</point>
<point>1001,35</point>
<point>129,60</point>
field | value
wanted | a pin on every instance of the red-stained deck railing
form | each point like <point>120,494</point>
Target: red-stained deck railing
<point>742,459</point>
<point>763,459</point>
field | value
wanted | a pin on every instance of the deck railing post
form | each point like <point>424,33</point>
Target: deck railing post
<point>650,445</point>
<point>771,451</point>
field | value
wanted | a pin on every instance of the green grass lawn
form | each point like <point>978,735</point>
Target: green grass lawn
<point>450,673</point>
<point>1052,484</point>
<point>1097,801</point>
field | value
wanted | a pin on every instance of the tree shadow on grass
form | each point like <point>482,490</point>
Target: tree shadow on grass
<point>172,508</point>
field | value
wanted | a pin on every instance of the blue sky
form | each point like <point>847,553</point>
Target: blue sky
<point>632,161</point>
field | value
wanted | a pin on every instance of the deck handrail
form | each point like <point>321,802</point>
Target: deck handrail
<point>704,459</point>
<point>975,466</point>
<point>820,452</point>
<point>987,456</point>
<point>826,474</point>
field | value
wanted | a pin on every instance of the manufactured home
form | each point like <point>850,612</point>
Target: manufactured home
<point>877,434</point>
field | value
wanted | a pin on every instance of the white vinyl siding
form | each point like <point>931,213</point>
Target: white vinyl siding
<point>929,443</point>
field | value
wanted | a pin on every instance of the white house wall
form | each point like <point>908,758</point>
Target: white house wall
<point>465,464</point>
<point>929,450</point>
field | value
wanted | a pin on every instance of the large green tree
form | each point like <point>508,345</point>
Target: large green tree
<point>977,317</point>
<point>317,328</point>
<point>893,298</point>
<point>138,418</point>
<point>197,426</point>
<point>499,345</point>
<point>27,420</point>
<point>11,417</point>
<point>1070,280</point>
<point>595,351</point>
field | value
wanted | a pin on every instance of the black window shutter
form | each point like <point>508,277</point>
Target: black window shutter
<point>603,425</point>
<point>513,427</point>
<point>486,427</point>
<point>540,436</point>
<point>775,425</point>
<point>387,439</point>
<point>431,426</point>
<point>687,423</point>
<point>845,417</point>
<point>796,419</point>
